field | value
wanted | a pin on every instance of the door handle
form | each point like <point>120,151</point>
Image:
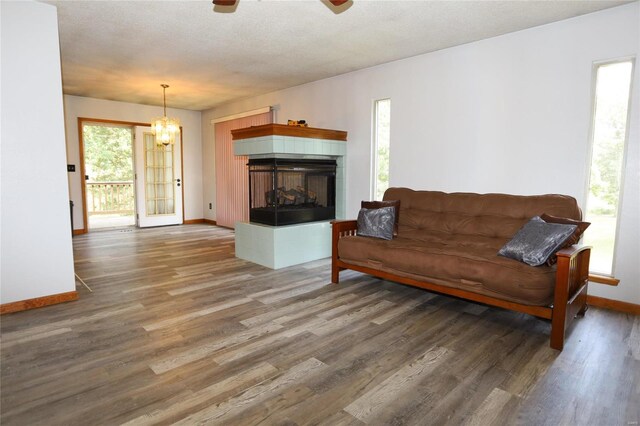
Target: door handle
<point>86,177</point>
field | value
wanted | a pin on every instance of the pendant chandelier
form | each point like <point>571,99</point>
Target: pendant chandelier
<point>165,129</point>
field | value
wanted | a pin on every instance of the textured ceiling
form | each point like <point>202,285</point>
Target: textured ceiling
<point>124,50</point>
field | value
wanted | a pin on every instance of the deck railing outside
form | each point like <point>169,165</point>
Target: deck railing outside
<point>110,198</point>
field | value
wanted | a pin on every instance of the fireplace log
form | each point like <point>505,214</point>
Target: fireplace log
<point>311,195</point>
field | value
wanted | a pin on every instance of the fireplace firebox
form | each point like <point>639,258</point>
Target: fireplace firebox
<point>290,191</point>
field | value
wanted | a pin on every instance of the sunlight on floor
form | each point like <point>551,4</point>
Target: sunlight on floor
<point>110,221</point>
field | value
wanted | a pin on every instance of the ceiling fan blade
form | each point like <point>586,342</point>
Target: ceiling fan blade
<point>224,2</point>
<point>338,2</point>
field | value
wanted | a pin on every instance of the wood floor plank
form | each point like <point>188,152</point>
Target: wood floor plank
<point>291,310</point>
<point>368,406</point>
<point>536,364</point>
<point>253,395</point>
<point>70,322</point>
<point>200,313</point>
<point>339,310</point>
<point>401,309</point>
<point>283,288</point>
<point>343,321</point>
<point>155,284</point>
<point>311,285</point>
<point>634,339</point>
<point>207,350</point>
<point>341,418</point>
<point>259,373</point>
<point>264,343</point>
<point>489,413</point>
<point>209,284</point>
<point>17,340</point>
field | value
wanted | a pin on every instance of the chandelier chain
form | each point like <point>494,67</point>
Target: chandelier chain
<point>164,97</point>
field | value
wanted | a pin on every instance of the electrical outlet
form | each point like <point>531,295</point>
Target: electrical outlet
<point>210,207</point>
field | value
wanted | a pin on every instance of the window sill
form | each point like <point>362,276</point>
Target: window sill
<point>603,279</point>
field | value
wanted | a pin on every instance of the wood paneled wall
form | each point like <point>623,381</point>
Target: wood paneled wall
<point>232,179</point>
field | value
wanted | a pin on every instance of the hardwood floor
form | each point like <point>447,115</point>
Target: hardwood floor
<point>178,330</point>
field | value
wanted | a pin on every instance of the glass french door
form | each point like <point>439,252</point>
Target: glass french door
<point>158,181</point>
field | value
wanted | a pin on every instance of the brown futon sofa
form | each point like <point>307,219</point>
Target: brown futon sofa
<point>448,243</point>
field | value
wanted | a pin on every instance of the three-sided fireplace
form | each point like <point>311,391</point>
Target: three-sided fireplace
<point>289,191</point>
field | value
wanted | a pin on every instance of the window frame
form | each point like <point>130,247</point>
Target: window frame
<point>601,276</point>
<point>373,188</point>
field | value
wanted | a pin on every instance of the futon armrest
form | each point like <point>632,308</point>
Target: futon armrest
<point>340,226</point>
<point>339,229</point>
<point>570,297</point>
<point>572,251</point>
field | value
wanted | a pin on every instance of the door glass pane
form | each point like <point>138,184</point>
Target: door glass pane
<point>159,177</point>
<point>169,189</point>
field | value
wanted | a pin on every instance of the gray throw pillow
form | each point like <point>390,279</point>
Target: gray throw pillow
<point>387,203</point>
<point>536,241</point>
<point>377,223</point>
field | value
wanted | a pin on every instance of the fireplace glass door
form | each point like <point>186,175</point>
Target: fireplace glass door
<point>290,191</point>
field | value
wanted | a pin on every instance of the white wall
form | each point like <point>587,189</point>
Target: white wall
<point>76,106</point>
<point>507,114</point>
<point>37,257</point>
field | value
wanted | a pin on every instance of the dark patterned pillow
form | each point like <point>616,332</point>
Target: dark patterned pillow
<point>536,241</point>
<point>388,203</point>
<point>376,223</point>
<point>580,227</point>
<point>573,239</point>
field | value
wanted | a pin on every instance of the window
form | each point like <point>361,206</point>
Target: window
<point>608,140</point>
<point>381,139</point>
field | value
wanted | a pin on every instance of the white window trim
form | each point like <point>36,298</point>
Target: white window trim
<point>594,81</point>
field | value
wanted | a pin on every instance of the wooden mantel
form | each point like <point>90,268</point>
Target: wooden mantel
<point>284,130</point>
